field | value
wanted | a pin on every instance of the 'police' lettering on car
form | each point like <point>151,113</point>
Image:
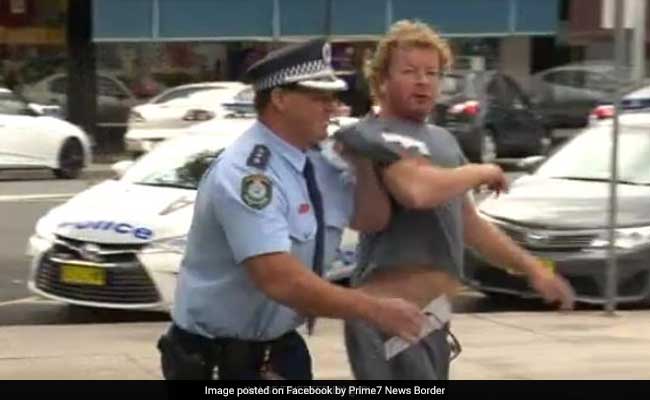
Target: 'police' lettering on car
<point>121,228</point>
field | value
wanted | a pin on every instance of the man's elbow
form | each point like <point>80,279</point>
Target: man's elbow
<point>416,199</point>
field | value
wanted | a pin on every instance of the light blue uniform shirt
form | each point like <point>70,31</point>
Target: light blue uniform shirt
<point>215,296</point>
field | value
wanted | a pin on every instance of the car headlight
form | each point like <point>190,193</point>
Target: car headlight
<point>45,229</point>
<point>169,245</point>
<point>148,145</point>
<point>626,238</point>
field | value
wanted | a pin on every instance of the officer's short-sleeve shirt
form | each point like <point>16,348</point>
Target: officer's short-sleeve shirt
<point>253,201</point>
<point>418,237</point>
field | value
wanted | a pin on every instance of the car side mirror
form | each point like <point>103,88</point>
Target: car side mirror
<point>530,164</point>
<point>120,167</point>
<point>43,110</point>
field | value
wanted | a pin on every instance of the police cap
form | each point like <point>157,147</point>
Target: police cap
<point>305,64</point>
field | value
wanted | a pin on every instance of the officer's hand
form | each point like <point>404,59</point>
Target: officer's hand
<point>553,288</point>
<point>398,317</point>
<point>493,176</point>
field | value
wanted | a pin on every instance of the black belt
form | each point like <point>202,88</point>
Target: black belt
<point>236,353</point>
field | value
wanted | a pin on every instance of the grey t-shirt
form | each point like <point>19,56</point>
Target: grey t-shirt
<point>416,237</point>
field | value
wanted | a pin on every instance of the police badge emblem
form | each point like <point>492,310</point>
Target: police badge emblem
<point>256,191</point>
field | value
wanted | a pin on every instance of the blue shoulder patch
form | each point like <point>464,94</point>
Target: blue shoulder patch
<point>259,157</point>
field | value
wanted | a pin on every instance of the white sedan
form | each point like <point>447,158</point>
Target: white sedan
<point>173,111</point>
<point>29,139</point>
<point>119,244</point>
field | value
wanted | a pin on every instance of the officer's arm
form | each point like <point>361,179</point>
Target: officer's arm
<point>372,210</point>
<point>286,280</point>
<point>416,183</point>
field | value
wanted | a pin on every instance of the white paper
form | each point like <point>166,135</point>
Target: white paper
<point>440,313</point>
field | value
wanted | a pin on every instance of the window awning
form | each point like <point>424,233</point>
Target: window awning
<point>232,20</point>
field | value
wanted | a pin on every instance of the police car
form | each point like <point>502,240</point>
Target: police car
<point>119,244</point>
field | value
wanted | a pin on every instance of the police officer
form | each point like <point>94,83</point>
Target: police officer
<point>250,273</point>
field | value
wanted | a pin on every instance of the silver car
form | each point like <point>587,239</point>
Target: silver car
<point>560,214</point>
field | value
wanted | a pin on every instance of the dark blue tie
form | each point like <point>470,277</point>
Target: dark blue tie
<point>317,204</point>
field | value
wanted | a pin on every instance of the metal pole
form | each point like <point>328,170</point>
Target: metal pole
<point>389,14</point>
<point>276,21</point>
<point>328,19</point>
<point>619,51</point>
<point>638,46</point>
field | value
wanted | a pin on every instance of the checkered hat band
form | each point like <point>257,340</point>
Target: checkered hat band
<point>311,69</point>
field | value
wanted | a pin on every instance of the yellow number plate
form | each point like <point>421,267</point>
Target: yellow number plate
<point>82,275</point>
<point>549,264</point>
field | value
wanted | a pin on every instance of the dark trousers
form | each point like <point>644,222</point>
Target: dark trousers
<point>188,356</point>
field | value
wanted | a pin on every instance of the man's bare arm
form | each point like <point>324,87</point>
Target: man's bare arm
<point>416,183</point>
<point>497,248</point>
<point>501,251</point>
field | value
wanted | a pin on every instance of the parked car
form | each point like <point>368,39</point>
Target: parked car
<point>560,214</point>
<point>566,95</point>
<point>114,99</point>
<point>30,139</point>
<point>173,111</point>
<point>490,115</point>
<point>637,100</point>
<point>119,244</point>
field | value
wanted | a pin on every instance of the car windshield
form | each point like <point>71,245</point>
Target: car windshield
<point>215,96</point>
<point>11,104</point>
<point>187,92</point>
<point>587,156</point>
<point>246,95</point>
<point>179,166</point>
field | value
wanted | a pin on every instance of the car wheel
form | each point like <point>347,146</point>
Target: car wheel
<point>71,160</point>
<point>488,147</point>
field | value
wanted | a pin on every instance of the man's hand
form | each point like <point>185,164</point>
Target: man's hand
<point>493,176</point>
<point>398,317</point>
<point>553,288</point>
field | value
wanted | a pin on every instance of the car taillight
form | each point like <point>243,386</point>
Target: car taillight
<point>603,112</point>
<point>469,108</point>
<point>198,115</point>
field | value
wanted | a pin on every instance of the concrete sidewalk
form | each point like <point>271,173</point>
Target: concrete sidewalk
<point>542,345</point>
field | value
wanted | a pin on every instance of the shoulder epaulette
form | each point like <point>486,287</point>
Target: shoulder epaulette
<point>259,157</point>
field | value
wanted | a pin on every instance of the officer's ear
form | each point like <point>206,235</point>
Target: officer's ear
<point>382,88</point>
<point>278,99</point>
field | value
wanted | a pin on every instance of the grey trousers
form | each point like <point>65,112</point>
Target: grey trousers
<point>428,359</point>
